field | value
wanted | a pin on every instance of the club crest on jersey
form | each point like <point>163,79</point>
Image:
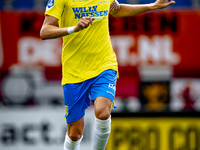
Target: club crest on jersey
<point>50,4</point>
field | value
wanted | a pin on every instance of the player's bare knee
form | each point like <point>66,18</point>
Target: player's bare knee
<point>75,134</point>
<point>74,137</point>
<point>102,114</point>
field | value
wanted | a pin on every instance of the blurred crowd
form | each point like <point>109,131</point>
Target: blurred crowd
<point>41,4</point>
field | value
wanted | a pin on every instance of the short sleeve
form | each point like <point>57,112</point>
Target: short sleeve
<point>55,8</point>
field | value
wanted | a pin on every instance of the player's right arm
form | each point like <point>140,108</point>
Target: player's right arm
<point>50,30</point>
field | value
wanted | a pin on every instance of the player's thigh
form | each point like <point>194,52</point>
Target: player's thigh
<point>103,93</point>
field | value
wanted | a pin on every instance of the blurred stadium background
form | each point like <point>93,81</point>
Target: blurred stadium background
<point>158,92</point>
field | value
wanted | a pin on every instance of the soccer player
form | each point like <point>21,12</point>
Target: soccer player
<point>89,65</point>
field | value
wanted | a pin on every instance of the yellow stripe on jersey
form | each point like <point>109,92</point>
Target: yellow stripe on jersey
<point>89,52</point>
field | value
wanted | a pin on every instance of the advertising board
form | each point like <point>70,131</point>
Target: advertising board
<point>39,128</point>
<point>155,133</point>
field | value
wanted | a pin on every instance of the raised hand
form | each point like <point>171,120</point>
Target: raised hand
<point>83,23</point>
<point>159,4</point>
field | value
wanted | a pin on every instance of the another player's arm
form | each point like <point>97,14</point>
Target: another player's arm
<point>50,30</point>
<point>125,10</point>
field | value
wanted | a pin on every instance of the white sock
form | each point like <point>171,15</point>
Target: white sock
<point>71,145</point>
<point>101,133</point>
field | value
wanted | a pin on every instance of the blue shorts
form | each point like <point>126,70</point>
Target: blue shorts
<point>78,96</point>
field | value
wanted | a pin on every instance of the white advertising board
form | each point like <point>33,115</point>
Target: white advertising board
<point>39,129</point>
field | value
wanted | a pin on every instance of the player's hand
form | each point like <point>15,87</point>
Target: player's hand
<point>159,4</point>
<point>83,23</point>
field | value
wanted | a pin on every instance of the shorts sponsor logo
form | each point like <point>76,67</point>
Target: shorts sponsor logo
<point>50,4</point>
<point>112,86</point>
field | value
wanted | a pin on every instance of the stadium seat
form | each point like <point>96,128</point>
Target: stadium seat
<point>123,1</point>
<point>45,3</point>
<point>145,1</point>
<point>179,3</point>
<point>2,4</point>
<point>23,4</point>
<point>183,3</point>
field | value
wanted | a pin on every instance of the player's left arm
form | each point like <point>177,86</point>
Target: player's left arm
<point>125,10</point>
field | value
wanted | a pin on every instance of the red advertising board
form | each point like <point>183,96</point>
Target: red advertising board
<point>158,39</point>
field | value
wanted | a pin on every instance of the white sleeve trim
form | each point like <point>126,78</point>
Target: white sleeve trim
<point>114,5</point>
